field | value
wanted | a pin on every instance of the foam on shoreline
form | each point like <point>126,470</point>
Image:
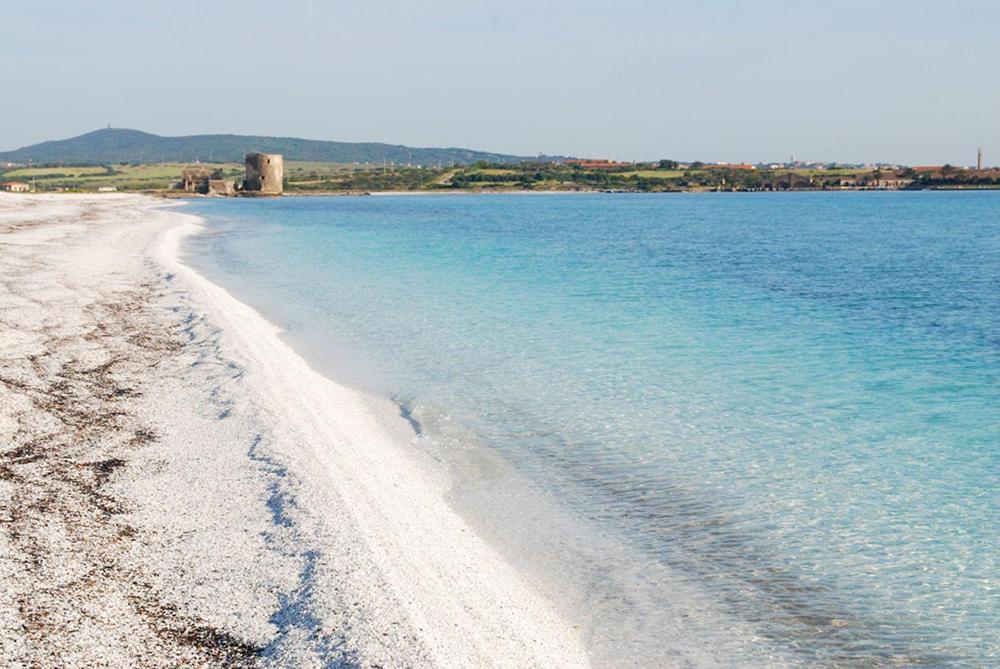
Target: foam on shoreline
<point>469,606</point>
<point>628,609</point>
<point>290,519</point>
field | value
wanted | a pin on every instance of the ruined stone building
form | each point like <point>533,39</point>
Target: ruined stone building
<point>265,173</point>
<point>205,181</point>
<point>195,179</point>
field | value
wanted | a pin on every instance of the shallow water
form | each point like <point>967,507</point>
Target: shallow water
<point>766,416</point>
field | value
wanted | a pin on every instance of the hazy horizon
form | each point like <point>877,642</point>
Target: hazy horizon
<point>906,82</point>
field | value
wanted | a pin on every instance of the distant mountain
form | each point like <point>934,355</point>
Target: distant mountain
<point>117,145</point>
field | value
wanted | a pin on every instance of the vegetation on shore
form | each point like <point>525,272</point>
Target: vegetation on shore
<point>665,176</point>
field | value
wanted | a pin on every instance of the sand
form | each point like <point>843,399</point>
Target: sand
<point>178,487</point>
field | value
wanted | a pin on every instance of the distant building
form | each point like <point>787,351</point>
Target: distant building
<point>16,187</point>
<point>221,187</point>
<point>205,181</point>
<point>195,179</point>
<point>107,189</point>
<point>265,174</point>
<point>875,180</point>
<point>888,181</point>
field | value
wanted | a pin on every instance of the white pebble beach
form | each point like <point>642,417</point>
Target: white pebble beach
<point>179,488</point>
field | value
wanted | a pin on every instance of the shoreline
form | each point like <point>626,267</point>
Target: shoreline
<point>850,623</point>
<point>305,534</point>
<point>630,611</point>
<point>330,413</point>
<point>171,195</point>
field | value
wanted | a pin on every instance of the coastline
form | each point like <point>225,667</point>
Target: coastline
<point>384,193</point>
<point>265,505</point>
<point>627,610</point>
<point>167,195</point>
<point>245,238</point>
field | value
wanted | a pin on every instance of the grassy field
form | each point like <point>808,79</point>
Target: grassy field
<point>53,172</point>
<point>159,176</point>
<point>321,169</point>
<point>305,175</point>
<point>494,171</point>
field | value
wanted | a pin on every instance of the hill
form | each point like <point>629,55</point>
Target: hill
<point>117,145</point>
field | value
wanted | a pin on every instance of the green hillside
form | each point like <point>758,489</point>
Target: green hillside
<point>115,145</point>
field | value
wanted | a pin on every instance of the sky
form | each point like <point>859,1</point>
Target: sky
<point>906,81</point>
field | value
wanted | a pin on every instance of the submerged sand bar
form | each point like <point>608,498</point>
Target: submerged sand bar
<point>177,486</point>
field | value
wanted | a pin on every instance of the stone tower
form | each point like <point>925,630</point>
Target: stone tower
<point>265,172</point>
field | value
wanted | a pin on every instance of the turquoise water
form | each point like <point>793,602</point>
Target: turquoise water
<point>776,413</point>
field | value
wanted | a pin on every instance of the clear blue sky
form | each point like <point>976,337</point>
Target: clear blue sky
<point>910,81</point>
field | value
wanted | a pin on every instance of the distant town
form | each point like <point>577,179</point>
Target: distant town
<point>111,160</point>
<point>302,177</point>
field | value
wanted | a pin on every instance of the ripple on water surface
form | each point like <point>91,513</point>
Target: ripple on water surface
<point>784,407</point>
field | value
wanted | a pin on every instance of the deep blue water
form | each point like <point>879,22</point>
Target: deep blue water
<point>774,412</point>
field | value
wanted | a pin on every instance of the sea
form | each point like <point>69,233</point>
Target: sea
<point>729,429</point>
